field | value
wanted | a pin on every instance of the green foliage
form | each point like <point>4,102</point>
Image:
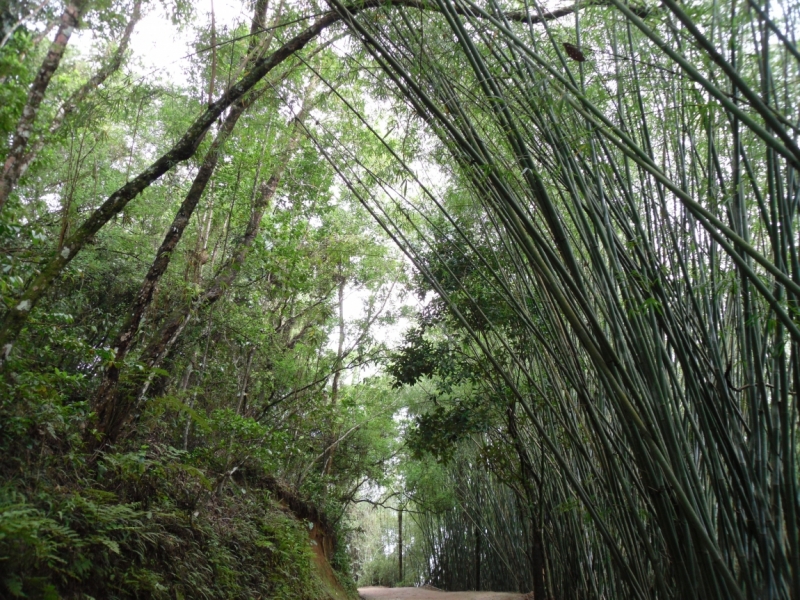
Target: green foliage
<point>381,570</point>
<point>88,540</point>
<point>241,409</point>
<point>416,359</point>
<point>440,430</point>
<point>14,73</point>
<point>600,213</point>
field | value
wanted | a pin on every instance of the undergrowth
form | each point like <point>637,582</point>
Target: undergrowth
<point>147,522</point>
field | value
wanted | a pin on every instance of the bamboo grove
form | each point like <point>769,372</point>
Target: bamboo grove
<point>601,198</point>
<point>633,214</point>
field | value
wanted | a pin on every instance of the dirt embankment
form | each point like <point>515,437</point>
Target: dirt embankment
<point>322,546</point>
<point>383,593</point>
<point>321,537</point>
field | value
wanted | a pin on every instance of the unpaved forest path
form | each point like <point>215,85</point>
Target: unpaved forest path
<point>411,593</point>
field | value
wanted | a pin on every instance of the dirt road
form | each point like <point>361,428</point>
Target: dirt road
<point>410,593</point>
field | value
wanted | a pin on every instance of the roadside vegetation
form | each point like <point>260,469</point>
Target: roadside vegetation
<point>523,278</point>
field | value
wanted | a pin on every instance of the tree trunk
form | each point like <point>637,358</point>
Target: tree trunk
<point>537,563</point>
<point>536,550</point>
<point>106,399</point>
<point>184,386</point>
<point>109,417</point>
<point>241,405</point>
<point>17,315</point>
<point>328,464</point>
<point>158,348</point>
<point>161,344</point>
<point>120,400</point>
<point>20,308</point>
<point>477,559</point>
<point>24,130</point>
<point>13,173</point>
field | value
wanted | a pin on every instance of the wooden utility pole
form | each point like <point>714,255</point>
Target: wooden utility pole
<point>400,541</point>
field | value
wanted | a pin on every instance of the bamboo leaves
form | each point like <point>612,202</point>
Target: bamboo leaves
<point>610,213</point>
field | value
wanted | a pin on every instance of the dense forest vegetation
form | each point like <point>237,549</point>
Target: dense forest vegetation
<point>478,294</point>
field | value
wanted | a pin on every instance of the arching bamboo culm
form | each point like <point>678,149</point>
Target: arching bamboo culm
<point>627,191</point>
